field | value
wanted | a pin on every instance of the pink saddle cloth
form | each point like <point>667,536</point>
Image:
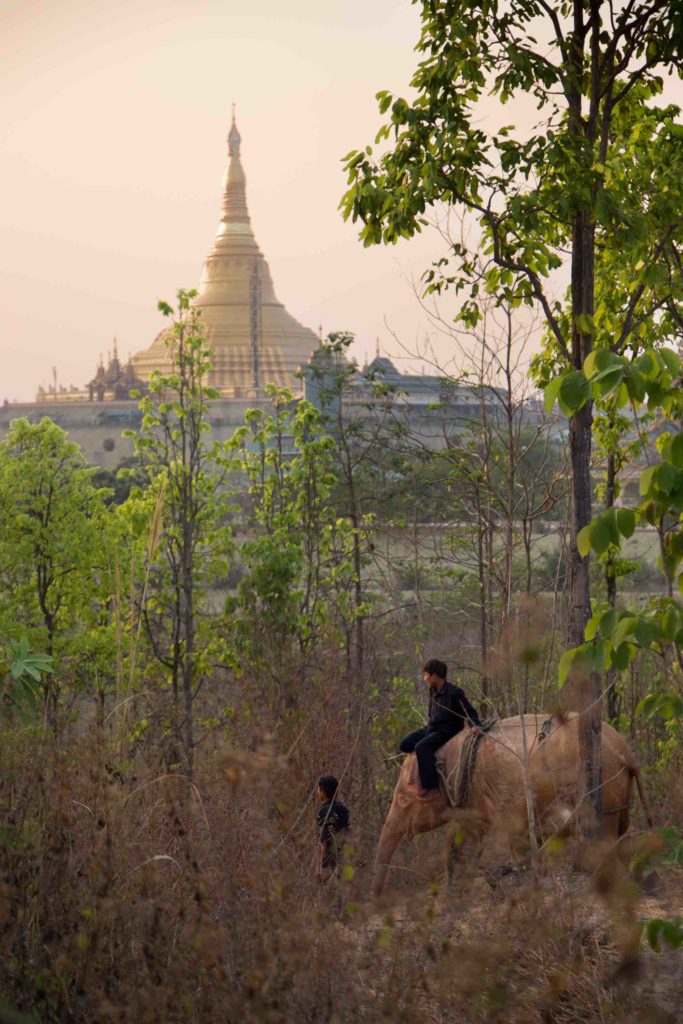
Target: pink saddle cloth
<point>413,774</point>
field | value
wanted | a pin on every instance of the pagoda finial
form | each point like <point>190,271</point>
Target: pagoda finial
<point>376,348</point>
<point>234,186</point>
<point>234,137</point>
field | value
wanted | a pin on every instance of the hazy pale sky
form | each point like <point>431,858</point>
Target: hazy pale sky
<point>114,116</point>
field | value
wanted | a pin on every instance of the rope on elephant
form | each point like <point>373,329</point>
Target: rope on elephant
<point>467,763</point>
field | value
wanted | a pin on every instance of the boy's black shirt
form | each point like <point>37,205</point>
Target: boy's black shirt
<point>332,818</point>
<point>449,709</point>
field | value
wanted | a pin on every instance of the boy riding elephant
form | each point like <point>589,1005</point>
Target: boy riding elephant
<point>449,709</point>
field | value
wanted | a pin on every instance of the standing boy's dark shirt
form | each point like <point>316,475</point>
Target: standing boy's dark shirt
<point>332,818</point>
<point>449,709</point>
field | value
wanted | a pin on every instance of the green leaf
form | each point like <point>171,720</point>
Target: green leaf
<point>665,476</point>
<point>598,360</point>
<point>575,391</point>
<point>677,451</point>
<point>622,656</point>
<point>670,622</point>
<point>564,666</point>
<point>646,632</point>
<point>647,365</point>
<point>592,627</point>
<point>590,367</point>
<point>646,480</point>
<point>614,366</point>
<point>550,393</point>
<point>671,360</point>
<point>608,380</point>
<point>626,522</point>
<point>598,655</point>
<point>625,628</point>
<point>583,542</point>
<point>580,661</point>
<point>635,383</point>
<point>609,621</point>
<point>601,534</point>
<point>623,396</point>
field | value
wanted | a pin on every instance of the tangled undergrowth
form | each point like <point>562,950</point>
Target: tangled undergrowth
<point>132,895</point>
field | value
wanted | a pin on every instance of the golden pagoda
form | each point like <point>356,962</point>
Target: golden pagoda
<point>254,340</point>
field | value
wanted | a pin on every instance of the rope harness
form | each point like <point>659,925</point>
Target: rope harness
<point>464,773</point>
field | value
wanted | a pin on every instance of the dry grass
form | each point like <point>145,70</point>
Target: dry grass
<point>130,895</point>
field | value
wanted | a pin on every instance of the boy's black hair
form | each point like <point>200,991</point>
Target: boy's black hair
<point>329,786</point>
<point>436,668</point>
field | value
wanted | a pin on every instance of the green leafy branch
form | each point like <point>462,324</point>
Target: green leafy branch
<point>609,376</point>
<point>25,671</point>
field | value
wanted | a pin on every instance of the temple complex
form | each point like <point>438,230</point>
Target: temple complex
<point>115,382</point>
<point>254,340</point>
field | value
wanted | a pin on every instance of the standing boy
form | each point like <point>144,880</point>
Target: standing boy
<point>333,821</point>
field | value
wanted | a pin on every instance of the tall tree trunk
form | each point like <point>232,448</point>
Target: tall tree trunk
<point>51,688</point>
<point>490,603</point>
<point>483,603</point>
<point>511,473</point>
<point>613,701</point>
<point>585,691</point>
<point>579,566</point>
<point>188,660</point>
<point>527,535</point>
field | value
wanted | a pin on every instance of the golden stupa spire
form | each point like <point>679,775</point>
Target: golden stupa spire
<point>235,183</point>
<point>234,137</point>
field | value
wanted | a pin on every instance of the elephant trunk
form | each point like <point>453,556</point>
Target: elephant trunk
<point>388,841</point>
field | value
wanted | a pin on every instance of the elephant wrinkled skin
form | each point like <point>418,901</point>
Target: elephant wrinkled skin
<point>497,795</point>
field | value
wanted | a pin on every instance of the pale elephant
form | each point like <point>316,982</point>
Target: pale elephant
<point>495,796</point>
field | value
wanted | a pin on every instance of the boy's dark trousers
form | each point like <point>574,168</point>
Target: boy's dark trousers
<point>425,742</point>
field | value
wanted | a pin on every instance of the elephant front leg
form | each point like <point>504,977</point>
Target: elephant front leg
<point>465,847</point>
<point>390,838</point>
